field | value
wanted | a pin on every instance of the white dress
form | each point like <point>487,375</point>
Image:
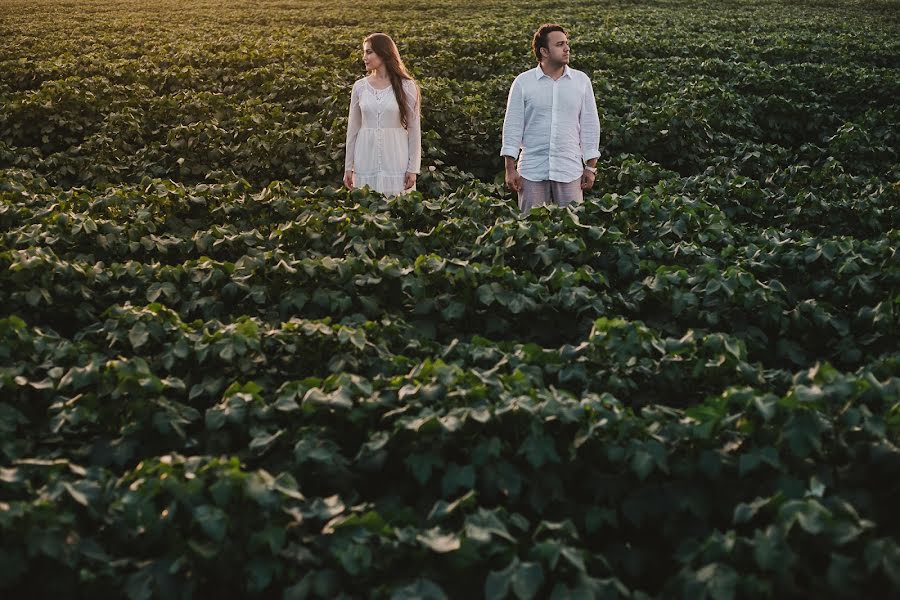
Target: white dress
<point>380,151</point>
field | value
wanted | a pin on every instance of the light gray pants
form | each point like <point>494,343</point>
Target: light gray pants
<point>537,193</point>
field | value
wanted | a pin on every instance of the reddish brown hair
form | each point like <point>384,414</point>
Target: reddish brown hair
<point>386,49</point>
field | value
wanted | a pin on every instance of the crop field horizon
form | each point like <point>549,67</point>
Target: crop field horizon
<point>221,374</point>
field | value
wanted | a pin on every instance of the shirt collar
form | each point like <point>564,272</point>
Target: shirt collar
<point>539,72</point>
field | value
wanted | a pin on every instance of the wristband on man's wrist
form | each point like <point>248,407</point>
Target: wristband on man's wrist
<point>591,169</point>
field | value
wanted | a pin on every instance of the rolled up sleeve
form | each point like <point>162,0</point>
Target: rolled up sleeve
<point>590,124</point>
<point>513,122</point>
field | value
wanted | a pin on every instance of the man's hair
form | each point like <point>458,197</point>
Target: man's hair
<point>540,37</point>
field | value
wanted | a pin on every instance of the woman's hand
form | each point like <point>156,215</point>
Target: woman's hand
<point>348,180</point>
<point>409,181</point>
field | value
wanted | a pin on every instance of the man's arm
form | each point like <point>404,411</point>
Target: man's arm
<point>590,135</point>
<point>513,131</point>
<point>512,177</point>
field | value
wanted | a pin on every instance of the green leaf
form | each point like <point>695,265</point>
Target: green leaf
<point>589,587</point>
<point>766,405</point>
<point>768,548</point>
<point>442,508</point>
<point>259,486</point>
<point>720,580</point>
<point>642,464</point>
<point>311,449</point>
<point>83,492</point>
<point>139,586</point>
<point>10,419</point>
<point>358,338</point>
<point>421,465</point>
<point>324,508</point>
<point>753,459</point>
<point>370,521</point>
<point>574,558</point>
<point>339,398</point>
<point>212,520</point>
<point>454,310</point>
<point>214,419</point>
<point>421,589</point>
<point>485,293</point>
<point>221,491</point>
<point>271,538</point>
<point>227,353</point>
<point>844,575</point>
<point>485,524</point>
<point>803,432</point>
<point>439,542</point>
<point>261,443</point>
<point>813,521</point>
<point>596,517</point>
<point>745,512</point>
<point>539,449</point>
<point>260,572</point>
<point>11,475</point>
<point>547,552</point>
<point>458,477</point>
<point>354,557</point>
<point>497,584</point>
<point>527,580</point>
<point>138,335</point>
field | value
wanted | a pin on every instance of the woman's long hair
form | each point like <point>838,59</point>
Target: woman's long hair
<point>386,49</point>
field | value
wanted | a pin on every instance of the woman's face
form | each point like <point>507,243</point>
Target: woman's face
<point>371,60</point>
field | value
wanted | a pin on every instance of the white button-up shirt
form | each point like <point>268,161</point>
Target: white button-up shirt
<point>554,123</point>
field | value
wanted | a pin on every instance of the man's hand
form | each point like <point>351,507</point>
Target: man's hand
<point>513,180</point>
<point>409,181</point>
<point>587,179</point>
<point>348,180</point>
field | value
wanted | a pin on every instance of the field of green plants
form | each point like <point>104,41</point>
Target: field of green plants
<point>223,376</point>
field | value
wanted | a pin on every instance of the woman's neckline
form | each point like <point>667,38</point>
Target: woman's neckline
<point>375,88</point>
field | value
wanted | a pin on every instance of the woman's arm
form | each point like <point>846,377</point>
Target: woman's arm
<point>414,132</point>
<point>354,122</point>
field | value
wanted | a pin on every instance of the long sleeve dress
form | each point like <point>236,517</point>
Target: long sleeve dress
<point>380,151</point>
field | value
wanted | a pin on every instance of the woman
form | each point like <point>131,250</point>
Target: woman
<point>384,136</point>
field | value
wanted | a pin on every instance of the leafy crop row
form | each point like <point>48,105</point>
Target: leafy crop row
<point>222,376</point>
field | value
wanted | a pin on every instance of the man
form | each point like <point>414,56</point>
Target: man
<point>551,116</point>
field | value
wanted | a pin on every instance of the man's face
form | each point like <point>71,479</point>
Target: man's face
<point>557,50</point>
